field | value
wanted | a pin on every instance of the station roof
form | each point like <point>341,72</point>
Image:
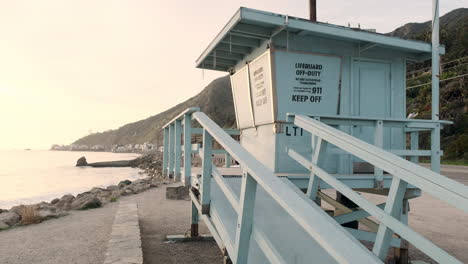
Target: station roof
<point>249,28</point>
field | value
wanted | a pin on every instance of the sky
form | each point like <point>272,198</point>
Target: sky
<point>72,67</point>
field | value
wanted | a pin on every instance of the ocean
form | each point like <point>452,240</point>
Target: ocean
<point>33,176</point>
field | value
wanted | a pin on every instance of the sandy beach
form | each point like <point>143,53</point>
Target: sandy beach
<point>82,236</point>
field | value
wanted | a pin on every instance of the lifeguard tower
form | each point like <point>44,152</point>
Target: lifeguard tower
<point>318,107</point>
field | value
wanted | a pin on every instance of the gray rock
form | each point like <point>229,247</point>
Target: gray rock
<point>65,203</point>
<point>112,188</point>
<point>3,226</point>
<point>127,191</point>
<point>54,201</point>
<point>115,193</point>
<point>46,214</point>
<point>86,201</point>
<point>81,162</point>
<point>10,218</point>
<point>122,184</point>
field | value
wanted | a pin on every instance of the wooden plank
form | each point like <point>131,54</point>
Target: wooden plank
<point>165,151</point>
<point>206,174</point>
<point>318,157</point>
<point>393,208</point>
<point>177,152</point>
<point>245,218</point>
<point>368,223</point>
<point>187,149</point>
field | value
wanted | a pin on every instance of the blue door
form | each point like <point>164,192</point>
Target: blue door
<point>371,97</point>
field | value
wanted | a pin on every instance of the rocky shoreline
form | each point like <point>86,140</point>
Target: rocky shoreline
<point>96,197</point>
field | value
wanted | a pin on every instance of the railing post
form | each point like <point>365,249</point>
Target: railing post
<point>435,148</point>
<point>195,219</point>
<point>378,142</point>
<point>414,137</point>
<point>207,170</point>
<point>393,207</point>
<point>187,149</point>
<point>401,253</point>
<point>170,171</point>
<point>165,151</point>
<point>318,156</point>
<point>227,160</point>
<point>178,151</point>
<point>245,217</point>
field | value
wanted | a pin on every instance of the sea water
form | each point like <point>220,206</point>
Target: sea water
<point>33,176</point>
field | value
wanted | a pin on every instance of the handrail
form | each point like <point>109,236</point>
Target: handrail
<point>444,188</point>
<point>180,116</point>
<point>370,121</point>
<point>403,172</point>
<point>331,236</point>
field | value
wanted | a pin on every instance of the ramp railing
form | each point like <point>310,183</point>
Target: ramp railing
<point>175,151</point>
<point>329,235</point>
<point>404,172</point>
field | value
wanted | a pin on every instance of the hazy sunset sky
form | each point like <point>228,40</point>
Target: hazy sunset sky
<point>71,66</point>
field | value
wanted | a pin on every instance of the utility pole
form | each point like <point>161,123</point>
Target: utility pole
<point>435,133</point>
<point>313,10</point>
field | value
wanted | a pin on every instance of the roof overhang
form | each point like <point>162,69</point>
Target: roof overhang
<point>249,28</point>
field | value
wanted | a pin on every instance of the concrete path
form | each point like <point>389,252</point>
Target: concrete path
<point>79,238</point>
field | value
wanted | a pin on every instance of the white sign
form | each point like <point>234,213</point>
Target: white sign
<point>306,83</point>
<point>241,94</point>
<point>260,89</point>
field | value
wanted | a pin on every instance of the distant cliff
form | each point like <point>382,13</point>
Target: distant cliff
<point>215,100</point>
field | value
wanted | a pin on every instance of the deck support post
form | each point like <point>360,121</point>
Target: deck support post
<point>435,149</point>
<point>378,142</point>
<point>227,160</point>
<point>206,172</point>
<point>177,152</point>
<point>195,219</point>
<point>414,137</point>
<point>165,151</point>
<point>393,207</point>
<point>187,149</point>
<point>318,156</point>
<point>245,217</point>
<point>170,171</point>
<point>402,253</point>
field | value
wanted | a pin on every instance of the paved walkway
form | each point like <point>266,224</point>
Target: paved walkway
<point>79,238</point>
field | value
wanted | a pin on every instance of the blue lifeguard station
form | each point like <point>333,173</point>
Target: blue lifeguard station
<point>318,107</point>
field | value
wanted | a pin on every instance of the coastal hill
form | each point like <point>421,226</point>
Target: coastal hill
<point>216,99</point>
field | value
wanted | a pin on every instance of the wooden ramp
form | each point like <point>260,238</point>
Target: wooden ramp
<point>257,216</point>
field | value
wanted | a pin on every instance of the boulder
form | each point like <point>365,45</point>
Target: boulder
<point>177,193</point>
<point>127,190</point>
<point>81,162</point>
<point>112,188</point>
<point>65,203</point>
<point>54,201</point>
<point>86,201</point>
<point>115,194</point>
<point>10,218</point>
<point>48,214</point>
<point>138,188</point>
<point>3,225</point>
<point>122,184</point>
